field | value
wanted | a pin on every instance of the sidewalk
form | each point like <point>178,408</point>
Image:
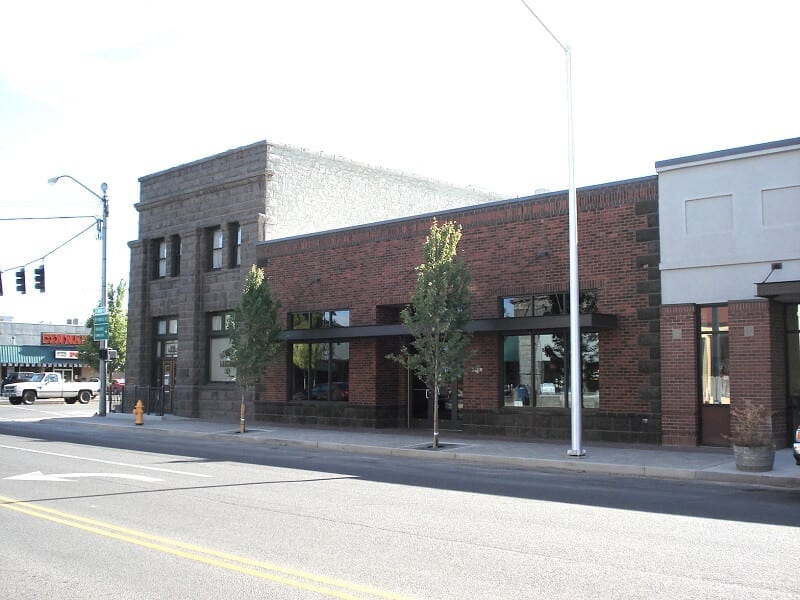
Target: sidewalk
<point>705,464</point>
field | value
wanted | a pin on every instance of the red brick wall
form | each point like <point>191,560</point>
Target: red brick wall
<point>680,418</point>
<point>758,371</point>
<point>511,247</point>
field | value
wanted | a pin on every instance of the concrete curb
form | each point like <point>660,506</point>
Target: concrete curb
<point>712,475</point>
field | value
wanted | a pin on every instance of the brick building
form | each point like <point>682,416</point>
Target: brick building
<point>730,266</point>
<point>342,292</point>
<point>690,288</point>
<point>198,228</point>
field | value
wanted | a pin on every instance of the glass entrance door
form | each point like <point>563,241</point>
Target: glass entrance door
<point>421,400</point>
<point>167,384</point>
<point>792,369</point>
<point>715,398</point>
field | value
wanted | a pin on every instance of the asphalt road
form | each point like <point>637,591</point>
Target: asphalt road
<point>94,513</point>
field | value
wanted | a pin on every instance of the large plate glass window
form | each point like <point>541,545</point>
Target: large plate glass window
<point>320,370</point>
<point>536,365</point>
<point>219,368</point>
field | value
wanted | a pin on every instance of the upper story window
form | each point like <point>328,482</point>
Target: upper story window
<point>543,305</point>
<point>319,319</point>
<point>162,258</point>
<point>175,252</point>
<point>235,235</point>
<point>217,246</point>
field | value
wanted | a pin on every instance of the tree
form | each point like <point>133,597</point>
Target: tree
<point>437,315</point>
<point>89,350</point>
<point>254,332</point>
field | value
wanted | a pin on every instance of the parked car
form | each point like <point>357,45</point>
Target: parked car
<point>50,385</point>
<point>17,376</point>
<point>117,386</point>
<point>796,446</point>
<point>338,391</point>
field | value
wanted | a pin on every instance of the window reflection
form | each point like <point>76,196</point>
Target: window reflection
<point>321,371</point>
<point>543,305</point>
<point>536,369</point>
<point>318,319</point>
<point>714,378</point>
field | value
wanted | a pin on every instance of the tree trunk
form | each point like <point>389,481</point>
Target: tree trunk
<point>436,399</point>
<point>241,416</point>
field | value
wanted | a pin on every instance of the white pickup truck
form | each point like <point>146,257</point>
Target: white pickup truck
<point>50,385</point>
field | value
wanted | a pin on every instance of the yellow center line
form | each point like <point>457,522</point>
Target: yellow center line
<point>263,570</point>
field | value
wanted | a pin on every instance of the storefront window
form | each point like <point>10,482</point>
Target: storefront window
<point>536,366</point>
<point>320,319</point>
<point>321,371</point>
<point>713,354</point>
<point>536,370</point>
<point>219,367</point>
<point>543,305</point>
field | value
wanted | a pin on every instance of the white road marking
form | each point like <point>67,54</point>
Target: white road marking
<point>105,462</point>
<point>39,476</point>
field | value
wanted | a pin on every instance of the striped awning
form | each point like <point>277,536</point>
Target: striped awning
<point>39,356</point>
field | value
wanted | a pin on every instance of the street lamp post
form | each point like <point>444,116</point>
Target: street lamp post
<point>101,408</point>
<point>575,378</point>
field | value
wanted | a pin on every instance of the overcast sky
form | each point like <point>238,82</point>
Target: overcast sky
<point>471,92</point>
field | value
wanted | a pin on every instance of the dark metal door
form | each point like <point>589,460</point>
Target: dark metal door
<point>167,384</point>
<point>715,422</point>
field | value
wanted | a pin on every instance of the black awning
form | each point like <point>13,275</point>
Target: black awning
<point>787,292</point>
<point>588,322</point>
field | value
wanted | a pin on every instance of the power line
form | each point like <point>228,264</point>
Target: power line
<point>546,28</point>
<point>46,218</point>
<point>46,254</point>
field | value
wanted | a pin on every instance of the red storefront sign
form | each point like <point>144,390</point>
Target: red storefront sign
<point>62,339</point>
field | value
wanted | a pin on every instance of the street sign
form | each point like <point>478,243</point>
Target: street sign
<point>100,326</point>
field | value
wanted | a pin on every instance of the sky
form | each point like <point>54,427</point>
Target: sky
<point>470,92</point>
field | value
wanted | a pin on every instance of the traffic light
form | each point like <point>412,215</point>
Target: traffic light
<point>38,278</point>
<point>108,354</point>
<point>1,284</point>
<point>21,281</point>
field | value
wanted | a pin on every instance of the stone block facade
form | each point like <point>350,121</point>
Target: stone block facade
<point>260,191</point>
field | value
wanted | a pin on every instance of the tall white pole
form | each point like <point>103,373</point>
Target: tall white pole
<point>575,370</point>
<point>101,408</point>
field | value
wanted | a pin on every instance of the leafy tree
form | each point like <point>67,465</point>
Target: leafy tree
<point>439,311</point>
<point>89,350</point>
<point>254,331</point>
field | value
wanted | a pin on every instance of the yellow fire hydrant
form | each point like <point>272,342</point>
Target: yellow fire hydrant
<point>138,412</point>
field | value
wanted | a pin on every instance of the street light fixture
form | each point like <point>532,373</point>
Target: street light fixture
<point>575,379</point>
<point>103,222</point>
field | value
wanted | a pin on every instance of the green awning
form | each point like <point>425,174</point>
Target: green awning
<point>38,356</point>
